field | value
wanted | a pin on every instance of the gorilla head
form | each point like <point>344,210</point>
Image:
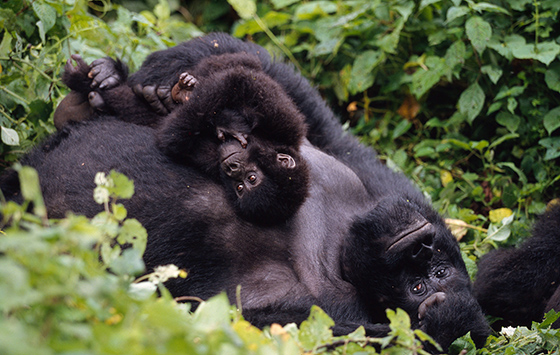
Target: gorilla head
<point>400,254</point>
<point>265,183</point>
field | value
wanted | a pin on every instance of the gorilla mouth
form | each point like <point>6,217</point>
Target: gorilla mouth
<point>435,298</point>
<point>410,235</point>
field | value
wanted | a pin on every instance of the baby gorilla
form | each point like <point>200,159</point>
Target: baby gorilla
<point>237,123</point>
<point>232,121</point>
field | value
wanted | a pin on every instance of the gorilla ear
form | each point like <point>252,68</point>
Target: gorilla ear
<point>286,160</point>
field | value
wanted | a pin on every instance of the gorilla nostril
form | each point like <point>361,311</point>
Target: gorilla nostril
<point>422,249</point>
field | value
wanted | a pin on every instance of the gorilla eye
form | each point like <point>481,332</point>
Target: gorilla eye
<point>239,187</point>
<point>441,273</point>
<point>419,288</point>
<point>252,178</point>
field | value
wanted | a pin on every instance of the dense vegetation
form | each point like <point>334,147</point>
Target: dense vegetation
<point>461,95</point>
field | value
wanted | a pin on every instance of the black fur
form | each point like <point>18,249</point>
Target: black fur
<point>363,239</point>
<point>520,284</point>
<point>234,96</point>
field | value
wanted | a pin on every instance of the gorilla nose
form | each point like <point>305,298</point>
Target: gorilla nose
<point>232,169</point>
<point>422,249</point>
<point>416,241</point>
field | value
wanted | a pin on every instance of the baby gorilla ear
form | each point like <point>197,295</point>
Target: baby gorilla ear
<point>286,160</point>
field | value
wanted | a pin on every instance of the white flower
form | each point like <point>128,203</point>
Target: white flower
<point>101,195</point>
<point>164,273</point>
<point>508,331</point>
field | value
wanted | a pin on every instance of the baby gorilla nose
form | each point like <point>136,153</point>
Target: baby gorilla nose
<point>232,168</point>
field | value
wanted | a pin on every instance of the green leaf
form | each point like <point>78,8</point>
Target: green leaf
<point>401,129</point>
<point>128,263</point>
<point>484,6</point>
<point>119,211</point>
<point>316,329</point>
<point>122,187</point>
<point>549,318</point>
<point>312,9</point>
<point>471,102</point>
<point>553,147</point>
<point>502,139</point>
<point>362,77</point>
<point>520,173</point>
<point>45,13</point>
<point>479,32</point>
<point>162,11</point>
<point>506,92</point>
<point>498,234</point>
<point>389,42</point>
<point>544,52</point>
<point>278,4</point>
<point>9,136</point>
<point>31,189</point>
<point>244,8</point>
<point>508,120</point>
<point>552,77</point>
<point>511,104</point>
<point>551,120</point>
<point>455,12</point>
<point>455,54</point>
<point>464,345</point>
<point>493,72</point>
<point>6,44</point>
<point>425,78</point>
<point>134,233</point>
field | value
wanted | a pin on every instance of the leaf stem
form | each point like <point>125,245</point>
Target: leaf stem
<point>276,41</point>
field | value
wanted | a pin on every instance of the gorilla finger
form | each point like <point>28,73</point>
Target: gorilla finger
<point>103,74</point>
<point>164,94</point>
<point>96,101</point>
<point>137,89</point>
<point>150,94</point>
<point>109,83</point>
<point>169,103</point>
<point>163,91</point>
<point>69,67</point>
<point>79,60</point>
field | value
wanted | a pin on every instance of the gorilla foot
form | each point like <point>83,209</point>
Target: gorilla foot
<point>182,90</point>
<point>104,74</point>
<point>158,97</point>
<point>75,70</point>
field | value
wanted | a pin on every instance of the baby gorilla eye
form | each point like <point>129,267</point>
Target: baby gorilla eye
<point>239,187</point>
<point>252,178</point>
<point>441,273</point>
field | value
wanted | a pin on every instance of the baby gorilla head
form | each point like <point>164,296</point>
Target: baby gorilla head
<point>266,184</point>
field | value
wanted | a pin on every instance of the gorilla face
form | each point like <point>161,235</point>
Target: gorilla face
<point>401,255</point>
<point>264,184</point>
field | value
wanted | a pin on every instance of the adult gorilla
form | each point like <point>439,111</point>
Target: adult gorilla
<point>364,239</point>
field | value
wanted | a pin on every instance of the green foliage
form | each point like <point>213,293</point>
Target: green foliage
<point>36,39</point>
<point>460,95</point>
<point>58,296</point>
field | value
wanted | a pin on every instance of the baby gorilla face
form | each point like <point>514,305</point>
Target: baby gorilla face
<point>260,181</point>
<point>244,175</point>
